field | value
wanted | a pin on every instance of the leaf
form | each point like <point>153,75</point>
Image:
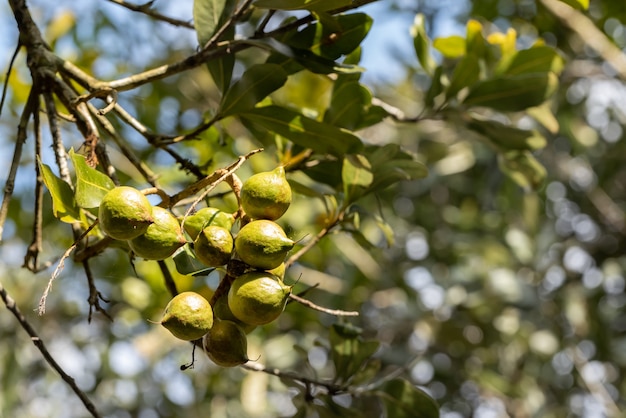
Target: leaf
<point>475,43</point>
<point>348,351</point>
<point>466,73</point>
<point>539,59</point>
<point>387,230</point>
<point>523,168</point>
<point>513,93</point>
<point>451,46</point>
<point>255,84</point>
<point>304,190</point>
<point>342,35</point>
<point>315,5</point>
<point>186,263</point>
<point>221,68</point>
<point>421,44</point>
<point>209,16</point>
<point>305,58</point>
<point>91,184</point>
<point>436,87</point>
<point>304,131</point>
<point>403,400</point>
<point>63,204</point>
<point>394,171</point>
<point>347,105</point>
<point>356,174</point>
<point>506,137</point>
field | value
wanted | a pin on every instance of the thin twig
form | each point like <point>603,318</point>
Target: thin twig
<point>210,182</point>
<point>168,278</point>
<point>8,74</point>
<point>308,303</point>
<point>94,295</point>
<point>59,268</point>
<point>332,388</point>
<point>108,127</point>
<point>313,242</point>
<point>29,108</point>
<point>12,306</point>
<point>146,10</point>
<point>31,259</point>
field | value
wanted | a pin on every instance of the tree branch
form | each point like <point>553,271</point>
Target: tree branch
<point>32,104</point>
<point>147,10</point>
<point>588,33</point>
<point>12,306</point>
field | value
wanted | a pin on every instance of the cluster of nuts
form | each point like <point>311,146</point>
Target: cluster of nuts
<point>256,296</point>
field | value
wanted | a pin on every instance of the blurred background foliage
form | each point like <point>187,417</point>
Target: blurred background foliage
<point>498,301</point>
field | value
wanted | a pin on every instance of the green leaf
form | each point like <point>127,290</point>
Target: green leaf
<point>523,168</point>
<point>342,35</point>
<point>303,131</point>
<point>326,172</point>
<point>404,400</point>
<point>421,43</point>
<point>304,190</point>
<point>513,93</point>
<point>436,87</point>
<point>349,351</point>
<point>255,84</point>
<point>221,68</point>
<point>506,137</point>
<point>186,263</point>
<point>466,73</point>
<point>347,104</point>
<point>91,184</point>
<point>539,59</point>
<point>356,174</point>
<point>315,5</point>
<point>209,16</point>
<point>387,230</point>
<point>307,59</point>
<point>394,171</point>
<point>451,46</point>
<point>63,204</point>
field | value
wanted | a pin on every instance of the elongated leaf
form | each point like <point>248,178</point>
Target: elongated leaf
<point>254,85</point>
<point>507,137</point>
<point>315,5</point>
<point>91,185</point>
<point>465,74</point>
<point>186,263</point>
<point>513,93</point>
<point>63,204</point>
<point>421,43</point>
<point>450,46</point>
<point>349,351</point>
<point>476,44</point>
<point>356,175</point>
<point>347,104</point>
<point>436,87</point>
<point>395,171</point>
<point>350,31</point>
<point>404,400</point>
<point>221,68</point>
<point>209,16</point>
<point>540,59</point>
<point>306,132</point>
<point>523,168</point>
